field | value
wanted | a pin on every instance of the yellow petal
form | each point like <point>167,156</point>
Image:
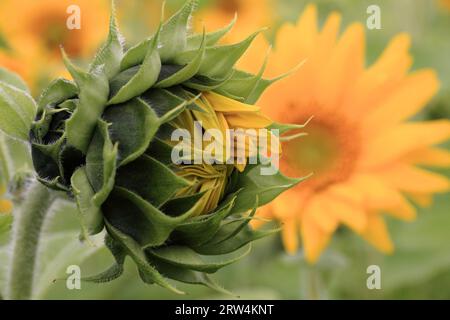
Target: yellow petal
<point>224,104</point>
<point>307,25</point>
<point>344,67</point>
<point>377,234</point>
<point>392,144</point>
<point>324,48</point>
<point>290,49</point>
<point>245,120</point>
<point>263,213</point>
<point>328,35</point>
<point>5,206</point>
<point>381,78</point>
<point>423,200</point>
<point>379,196</point>
<point>348,213</point>
<point>290,236</point>
<point>429,156</point>
<point>395,59</point>
<point>314,239</point>
<point>402,104</point>
<point>414,180</point>
<point>316,211</point>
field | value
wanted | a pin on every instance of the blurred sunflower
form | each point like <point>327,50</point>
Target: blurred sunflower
<point>363,154</point>
<point>35,30</point>
<point>5,205</point>
<point>8,61</point>
<point>445,4</point>
<point>253,15</point>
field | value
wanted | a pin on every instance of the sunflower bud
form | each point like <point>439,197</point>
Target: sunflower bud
<point>106,139</point>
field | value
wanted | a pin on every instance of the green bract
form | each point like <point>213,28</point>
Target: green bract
<point>102,139</point>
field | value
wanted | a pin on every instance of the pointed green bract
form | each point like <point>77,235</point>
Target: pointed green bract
<point>111,54</point>
<point>144,78</point>
<point>175,31</point>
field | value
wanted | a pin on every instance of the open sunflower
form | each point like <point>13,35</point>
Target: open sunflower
<point>364,154</point>
<point>36,29</point>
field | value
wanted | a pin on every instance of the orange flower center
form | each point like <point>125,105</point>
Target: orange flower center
<point>329,151</point>
<point>229,6</point>
<point>51,29</point>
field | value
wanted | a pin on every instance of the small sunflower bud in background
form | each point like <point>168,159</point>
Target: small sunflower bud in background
<point>105,138</point>
<point>5,205</point>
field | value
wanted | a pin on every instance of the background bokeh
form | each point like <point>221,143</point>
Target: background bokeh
<point>420,266</point>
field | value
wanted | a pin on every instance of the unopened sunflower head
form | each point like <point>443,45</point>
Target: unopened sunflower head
<point>106,138</point>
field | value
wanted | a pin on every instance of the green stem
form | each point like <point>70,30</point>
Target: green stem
<point>27,231</point>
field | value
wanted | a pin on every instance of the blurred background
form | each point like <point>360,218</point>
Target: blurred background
<point>420,266</point>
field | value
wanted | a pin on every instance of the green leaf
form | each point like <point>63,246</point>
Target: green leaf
<point>166,105</point>
<point>132,125</point>
<point>135,55</point>
<point>284,128</point>
<point>230,230</point>
<point>147,272</point>
<point>138,218</point>
<point>59,90</point>
<point>266,188</point>
<point>45,158</point>
<point>203,83</point>
<point>189,276</point>
<point>194,41</point>
<point>90,215</point>
<point>161,151</point>
<point>187,72</point>
<point>187,258</point>
<point>246,236</point>
<point>101,163</point>
<point>150,179</point>
<point>263,84</point>
<point>116,270</point>
<point>17,111</point>
<point>243,84</point>
<point>174,32</point>
<point>111,53</point>
<point>12,79</point>
<point>219,60</point>
<point>142,78</point>
<point>177,206</point>
<point>93,95</point>
<point>202,229</point>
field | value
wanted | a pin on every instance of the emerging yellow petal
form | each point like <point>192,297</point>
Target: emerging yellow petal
<point>222,114</point>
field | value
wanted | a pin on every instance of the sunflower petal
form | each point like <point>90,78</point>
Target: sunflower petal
<point>314,239</point>
<point>377,234</point>
<point>423,83</point>
<point>290,236</point>
<point>392,144</point>
<point>414,180</point>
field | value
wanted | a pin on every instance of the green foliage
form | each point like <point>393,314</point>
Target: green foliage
<point>17,107</point>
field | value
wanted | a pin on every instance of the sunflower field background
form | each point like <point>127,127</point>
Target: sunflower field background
<point>30,35</point>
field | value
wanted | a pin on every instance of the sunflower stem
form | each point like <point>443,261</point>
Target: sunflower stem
<point>26,234</point>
